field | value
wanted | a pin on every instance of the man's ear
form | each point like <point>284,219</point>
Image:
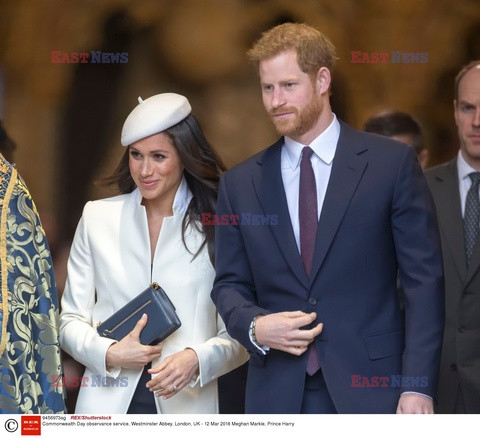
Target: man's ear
<point>323,79</point>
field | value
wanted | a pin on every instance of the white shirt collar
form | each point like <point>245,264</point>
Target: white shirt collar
<point>464,169</point>
<point>324,145</point>
<point>182,199</point>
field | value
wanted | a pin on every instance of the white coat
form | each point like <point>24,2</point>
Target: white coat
<point>109,264</point>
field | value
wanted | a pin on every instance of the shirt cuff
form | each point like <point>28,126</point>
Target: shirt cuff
<point>418,393</point>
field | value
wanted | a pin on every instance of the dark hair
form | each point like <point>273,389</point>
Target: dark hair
<point>392,123</point>
<point>7,145</point>
<point>202,169</point>
<point>462,73</point>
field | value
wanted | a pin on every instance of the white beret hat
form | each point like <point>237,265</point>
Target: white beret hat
<point>154,115</point>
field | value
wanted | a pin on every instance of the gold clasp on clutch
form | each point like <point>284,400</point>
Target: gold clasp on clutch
<point>155,286</point>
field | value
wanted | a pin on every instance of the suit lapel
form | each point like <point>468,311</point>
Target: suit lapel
<point>271,194</point>
<point>347,169</point>
<point>449,212</point>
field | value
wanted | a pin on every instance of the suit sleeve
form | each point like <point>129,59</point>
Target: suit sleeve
<point>419,256</point>
<point>234,292</point>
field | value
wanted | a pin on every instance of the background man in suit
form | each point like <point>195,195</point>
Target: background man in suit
<point>402,127</point>
<point>454,186</point>
<point>309,249</point>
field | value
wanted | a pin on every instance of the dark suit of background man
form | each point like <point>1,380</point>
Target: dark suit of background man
<point>459,379</point>
<point>296,300</point>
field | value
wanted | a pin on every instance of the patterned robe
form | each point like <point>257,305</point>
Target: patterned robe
<point>30,366</point>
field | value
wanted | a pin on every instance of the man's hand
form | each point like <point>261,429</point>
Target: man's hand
<point>281,331</point>
<point>414,404</point>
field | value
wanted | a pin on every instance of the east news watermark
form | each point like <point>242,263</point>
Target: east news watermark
<point>92,57</point>
<point>59,381</point>
<point>393,57</point>
<point>239,219</point>
<point>393,381</point>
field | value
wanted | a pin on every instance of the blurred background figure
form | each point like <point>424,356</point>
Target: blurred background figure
<point>30,363</point>
<point>402,127</point>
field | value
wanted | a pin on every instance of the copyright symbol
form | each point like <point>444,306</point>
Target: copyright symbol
<point>11,425</point>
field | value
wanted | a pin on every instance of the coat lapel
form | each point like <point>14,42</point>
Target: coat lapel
<point>268,185</point>
<point>449,212</point>
<point>347,170</point>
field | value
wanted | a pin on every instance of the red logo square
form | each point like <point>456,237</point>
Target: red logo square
<point>31,425</point>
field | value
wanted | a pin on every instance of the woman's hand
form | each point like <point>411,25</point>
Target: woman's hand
<point>174,372</point>
<point>129,352</point>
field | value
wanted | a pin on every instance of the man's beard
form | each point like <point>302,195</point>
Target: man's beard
<point>300,122</point>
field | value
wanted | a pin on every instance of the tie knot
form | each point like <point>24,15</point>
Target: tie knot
<point>475,177</point>
<point>307,152</point>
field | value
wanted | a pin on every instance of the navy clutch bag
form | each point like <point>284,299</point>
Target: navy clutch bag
<point>162,317</point>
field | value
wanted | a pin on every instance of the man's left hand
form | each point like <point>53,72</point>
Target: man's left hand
<point>414,404</point>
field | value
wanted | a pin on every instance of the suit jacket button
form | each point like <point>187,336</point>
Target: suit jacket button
<point>312,301</point>
<point>453,367</point>
<point>461,329</point>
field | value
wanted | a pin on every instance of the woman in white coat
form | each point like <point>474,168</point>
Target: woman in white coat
<point>152,232</point>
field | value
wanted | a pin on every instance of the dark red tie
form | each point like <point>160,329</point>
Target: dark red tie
<point>308,218</point>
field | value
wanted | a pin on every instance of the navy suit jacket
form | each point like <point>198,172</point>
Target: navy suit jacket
<point>377,220</point>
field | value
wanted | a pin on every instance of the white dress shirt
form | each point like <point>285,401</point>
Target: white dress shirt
<point>324,147</point>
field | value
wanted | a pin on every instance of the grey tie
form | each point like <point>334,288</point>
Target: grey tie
<point>471,218</point>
